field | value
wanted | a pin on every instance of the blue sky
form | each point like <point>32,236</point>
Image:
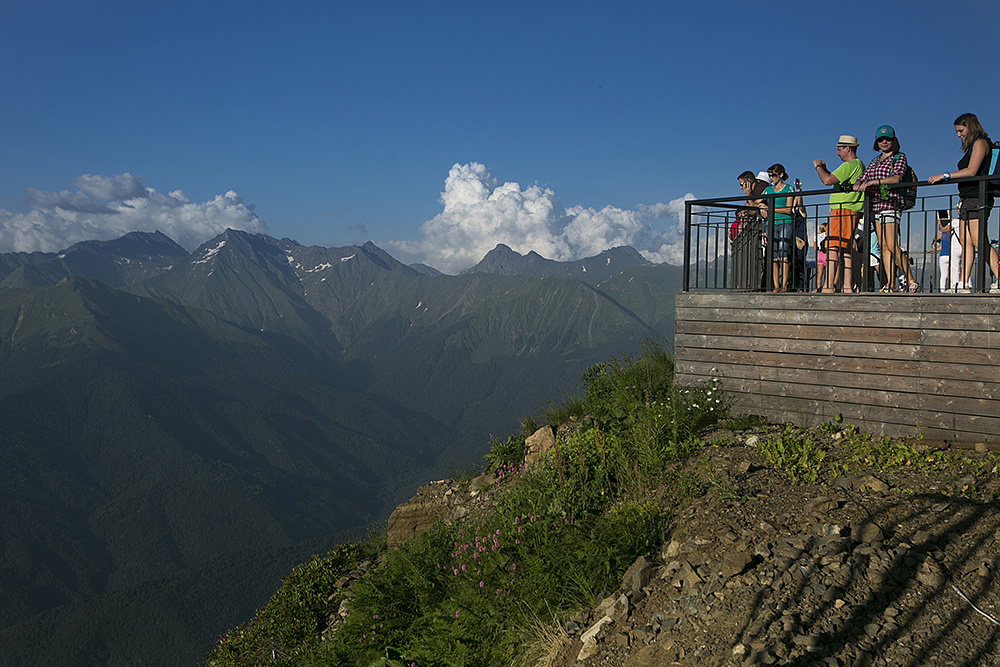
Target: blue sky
<point>437,129</point>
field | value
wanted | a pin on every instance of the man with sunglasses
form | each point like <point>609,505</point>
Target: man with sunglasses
<point>752,187</point>
<point>845,210</point>
<point>746,235</point>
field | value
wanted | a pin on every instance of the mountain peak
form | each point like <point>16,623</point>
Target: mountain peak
<point>116,263</point>
<point>503,260</point>
<point>625,253</point>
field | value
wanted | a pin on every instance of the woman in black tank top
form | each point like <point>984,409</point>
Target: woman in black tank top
<point>976,144</point>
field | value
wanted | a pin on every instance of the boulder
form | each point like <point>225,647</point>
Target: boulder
<point>591,637</point>
<point>637,576</point>
<point>733,563</point>
<point>445,499</point>
<point>538,444</point>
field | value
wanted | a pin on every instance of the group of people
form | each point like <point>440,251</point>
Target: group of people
<point>851,181</point>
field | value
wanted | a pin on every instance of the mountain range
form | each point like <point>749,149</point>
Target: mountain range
<point>503,260</point>
<point>179,429</point>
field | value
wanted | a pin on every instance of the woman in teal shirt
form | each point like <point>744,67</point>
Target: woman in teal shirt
<point>782,244</point>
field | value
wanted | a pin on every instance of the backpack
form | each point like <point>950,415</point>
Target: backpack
<point>993,186</point>
<point>909,194</point>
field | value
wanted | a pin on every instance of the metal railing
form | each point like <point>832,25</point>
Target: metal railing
<point>723,252</point>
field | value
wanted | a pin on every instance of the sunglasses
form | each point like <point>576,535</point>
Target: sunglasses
<point>881,139</point>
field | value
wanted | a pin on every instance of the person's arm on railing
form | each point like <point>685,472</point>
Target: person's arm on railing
<point>782,210</point>
<point>975,161</point>
<point>888,180</point>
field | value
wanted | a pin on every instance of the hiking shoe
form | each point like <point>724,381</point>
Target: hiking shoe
<point>914,287</point>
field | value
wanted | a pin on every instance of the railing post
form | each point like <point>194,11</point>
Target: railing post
<point>687,246</point>
<point>769,248</point>
<point>725,252</point>
<point>983,259</point>
<point>867,271</point>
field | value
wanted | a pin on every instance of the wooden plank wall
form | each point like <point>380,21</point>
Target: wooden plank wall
<point>900,365</point>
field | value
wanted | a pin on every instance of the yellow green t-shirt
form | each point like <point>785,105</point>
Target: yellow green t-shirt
<point>848,172</point>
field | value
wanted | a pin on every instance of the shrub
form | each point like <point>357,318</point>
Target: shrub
<point>505,453</point>
<point>292,620</point>
<point>612,388</point>
<point>795,453</point>
<point>630,529</point>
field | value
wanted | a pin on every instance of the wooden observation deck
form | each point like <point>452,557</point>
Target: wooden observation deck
<point>909,365</point>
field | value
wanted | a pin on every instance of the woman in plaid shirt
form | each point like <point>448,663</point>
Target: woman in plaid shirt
<point>887,205</point>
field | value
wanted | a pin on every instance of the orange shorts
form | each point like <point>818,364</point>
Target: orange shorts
<point>843,221</point>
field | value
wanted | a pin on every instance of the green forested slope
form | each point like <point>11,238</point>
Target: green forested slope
<point>141,439</point>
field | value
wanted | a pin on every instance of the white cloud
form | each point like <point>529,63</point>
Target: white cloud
<point>106,207</point>
<point>122,186</point>
<point>480,212</point>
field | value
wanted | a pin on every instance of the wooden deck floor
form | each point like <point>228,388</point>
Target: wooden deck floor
<point>900,365</point>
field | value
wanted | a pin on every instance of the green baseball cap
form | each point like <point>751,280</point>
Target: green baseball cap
<point>884,132</point>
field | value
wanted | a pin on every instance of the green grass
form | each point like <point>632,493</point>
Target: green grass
<point>794,452</point>
<point>542,543</point>
<point>568,408</point>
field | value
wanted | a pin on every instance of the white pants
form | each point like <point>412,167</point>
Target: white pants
<point>951,268</point>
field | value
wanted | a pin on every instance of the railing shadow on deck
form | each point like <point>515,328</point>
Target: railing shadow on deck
<point>724,253</point>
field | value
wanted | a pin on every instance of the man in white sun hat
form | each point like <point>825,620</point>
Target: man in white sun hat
<point>845,209</point>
